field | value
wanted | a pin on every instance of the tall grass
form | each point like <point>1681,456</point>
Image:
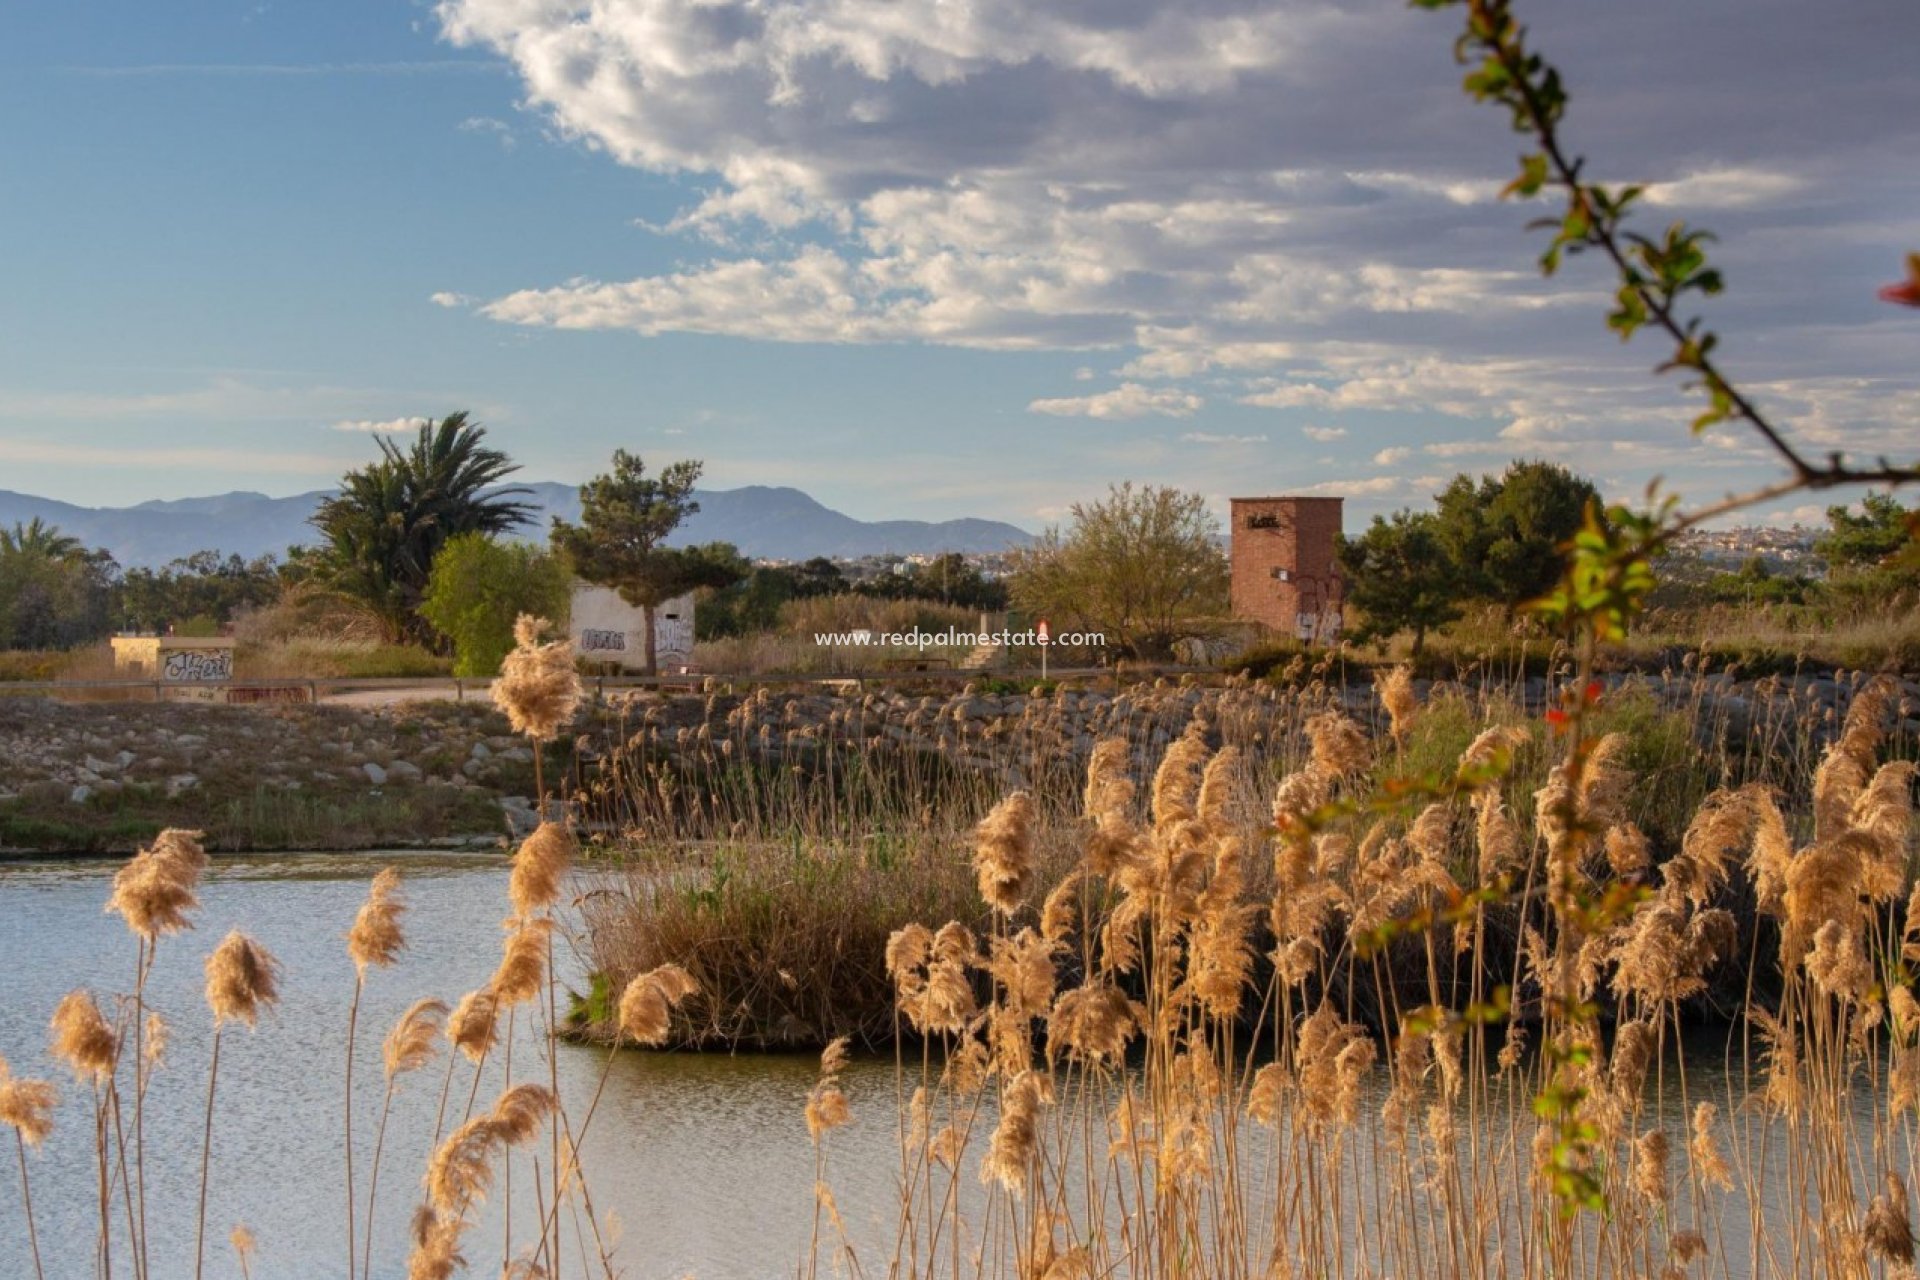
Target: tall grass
<point>1244,987</point>
<point>1117,1085</point>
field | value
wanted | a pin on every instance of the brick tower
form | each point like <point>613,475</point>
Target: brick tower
<point>1284,571</point>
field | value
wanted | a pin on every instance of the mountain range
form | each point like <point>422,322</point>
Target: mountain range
<point>764,522</point>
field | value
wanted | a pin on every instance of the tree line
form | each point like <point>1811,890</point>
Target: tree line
<point>420,540</point>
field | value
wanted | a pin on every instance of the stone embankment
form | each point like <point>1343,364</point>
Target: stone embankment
<point>174,759</point>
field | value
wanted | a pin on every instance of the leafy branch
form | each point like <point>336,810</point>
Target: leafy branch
<point>1655,273</point>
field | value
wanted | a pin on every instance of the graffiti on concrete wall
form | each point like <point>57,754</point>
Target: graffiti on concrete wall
<point>601,641</point>
<point>194,665</point>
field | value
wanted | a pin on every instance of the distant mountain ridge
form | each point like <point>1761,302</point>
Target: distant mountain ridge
<point>765,522</point>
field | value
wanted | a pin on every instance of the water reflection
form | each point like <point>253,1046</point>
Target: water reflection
<point>702,1160</point>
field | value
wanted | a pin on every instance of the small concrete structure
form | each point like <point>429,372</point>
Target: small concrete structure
<point>191,667</point>
<point>1285,572</point>
<point>605,628</point>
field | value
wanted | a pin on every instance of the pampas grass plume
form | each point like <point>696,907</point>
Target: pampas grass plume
<point>538,687</point>
<point>409,1046</point>
<point>1003,853</point>
<point>539,866</point>
<point>82,1037</point>
<point>523,963</point>
<point>376,938</point>
<point>155,890</point>
<point>26,1106</point>
<point>647,1004</point>
<point>1395,688</point>
<point>242,978</point>
<point>475,1023</point>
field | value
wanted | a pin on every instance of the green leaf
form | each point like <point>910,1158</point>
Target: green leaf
<point>1533,176</point>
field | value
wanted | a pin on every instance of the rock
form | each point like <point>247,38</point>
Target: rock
<point>404,771</point>
<point>480,751</point>
<point>521,819</point>
<point>97,766</point>
<point>181,782</point>
<point>80,794</point>
<point>375,774</point>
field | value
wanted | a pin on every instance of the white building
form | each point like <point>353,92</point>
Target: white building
<point>605,628</point>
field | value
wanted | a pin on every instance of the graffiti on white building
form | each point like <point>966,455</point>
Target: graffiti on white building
<point>605,628</point>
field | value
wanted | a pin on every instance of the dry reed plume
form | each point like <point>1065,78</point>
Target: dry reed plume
<point>1245,1010</point>
<point>538,687</point>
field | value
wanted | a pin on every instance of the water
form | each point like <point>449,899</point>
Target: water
<point>703,1160</point>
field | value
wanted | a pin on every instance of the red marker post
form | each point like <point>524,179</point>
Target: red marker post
<point>1043,632</point>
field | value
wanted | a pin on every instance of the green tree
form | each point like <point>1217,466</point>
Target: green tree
<point>1507,535</point>
<point>478,587</point>
<point>1401,577</point>
<point>38,540</point>
<point>54,593</point>
<point>202,587</point>
<point>1882,530</point>
<point>948,578</point>
<point>392,517</point>
<point>626,517</point>
<point>1142,566</point>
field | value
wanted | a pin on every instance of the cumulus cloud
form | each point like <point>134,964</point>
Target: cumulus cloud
<point>1128,400</point>
<point>1324,435</point>
<point>1286,205</point>
<point>444,298</point>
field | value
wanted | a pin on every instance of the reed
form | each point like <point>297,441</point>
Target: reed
<point>1258,982</point>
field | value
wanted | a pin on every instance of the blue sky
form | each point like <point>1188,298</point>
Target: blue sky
<point>920,258</point>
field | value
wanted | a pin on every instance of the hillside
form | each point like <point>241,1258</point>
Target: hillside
<point>764,522</point>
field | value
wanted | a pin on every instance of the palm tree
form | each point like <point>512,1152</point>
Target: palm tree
<point>38,540</point>
<point>392,516</point>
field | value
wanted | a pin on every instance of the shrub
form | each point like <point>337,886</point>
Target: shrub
<point>479,585</point>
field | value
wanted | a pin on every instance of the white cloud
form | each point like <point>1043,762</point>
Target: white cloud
<point>444,298</point>
<point>1723,189</point>
<point>1392,457</point>
<point>388,426</point>
<point>1209,437</point>
<point>499,130</point>
<point>1142,178</point>
<point>1128,400</point>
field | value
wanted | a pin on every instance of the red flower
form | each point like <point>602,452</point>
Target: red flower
<point>1556,717</point>
<point>1907,293</point>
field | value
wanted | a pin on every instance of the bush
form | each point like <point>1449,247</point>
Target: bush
<point>480,585</point>
<point>786,939</point>
<point>1266,657</point>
